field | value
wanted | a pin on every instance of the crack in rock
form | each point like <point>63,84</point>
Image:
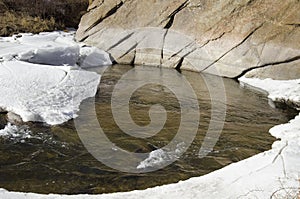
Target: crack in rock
<point>133,59</point>
<point>92,7</point>
<point>163,46</point>
<point>171,17</point>
<point>129,50</point>
<point>215,39</point>
<point>236,46</point>
<point>185,47</point>
<point>108,14</point>
<point>132,48</point>
<point>180,61</point>
<point>268,64</point>
<point>179,64</point>
<point>121,41</point>
<point>293,24</point>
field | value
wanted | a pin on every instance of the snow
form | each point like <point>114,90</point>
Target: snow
<point>53,48</point>
<point>93,57</point>
<point>44,93</point>
<point>24,88</point>
<point>280,90</point>
<point>41,78</point>
<point>52,55</point>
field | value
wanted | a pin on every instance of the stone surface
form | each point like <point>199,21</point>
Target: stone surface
<point>225,37</point>
<point>14,118</point>
<point>284,71</point>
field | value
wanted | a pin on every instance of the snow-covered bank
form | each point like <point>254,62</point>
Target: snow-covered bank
<point>44,93</point>
<point>285,91</point>
<point>53,48</point>
<point>272,174</point>
<point>40,75</point>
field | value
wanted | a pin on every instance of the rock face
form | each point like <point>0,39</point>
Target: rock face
<point>283,71</point>
<point>228,38</point>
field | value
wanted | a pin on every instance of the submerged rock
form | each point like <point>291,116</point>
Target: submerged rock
<point>14,118</point>
<point>228,38</point>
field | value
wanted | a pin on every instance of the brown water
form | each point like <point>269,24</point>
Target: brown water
<point>54,159</point>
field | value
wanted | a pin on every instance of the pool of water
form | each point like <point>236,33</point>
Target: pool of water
<point>53,159</point>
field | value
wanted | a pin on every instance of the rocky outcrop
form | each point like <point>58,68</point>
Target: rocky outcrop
<point>284,71</point>
<point>227,37</point>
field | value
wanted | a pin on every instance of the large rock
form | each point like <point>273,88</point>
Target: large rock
<point>225,37</point>
<point>283,71</point>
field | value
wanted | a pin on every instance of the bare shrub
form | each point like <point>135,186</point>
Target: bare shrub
<point>40,15</point>
<point>11,23</point>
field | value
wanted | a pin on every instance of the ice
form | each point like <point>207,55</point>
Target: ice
<point>11,47</point>
<point>44,93</point>
<point>278,90</point>
<point>92,57</point>
<point>161,156</point>
<point>13,131</point>
<point>52,55</point>
<point>53,48</point>
<point>40,75</point>
<point>156,158</point>
<point>13,134</point>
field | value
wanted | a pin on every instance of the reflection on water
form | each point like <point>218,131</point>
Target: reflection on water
<point>53,159</point>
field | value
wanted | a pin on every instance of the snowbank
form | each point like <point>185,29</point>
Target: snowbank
<point>44,93</point>
<point>40,78</point>
<point>272,174</point>
<point>53,48</point>
<point>287,91</point>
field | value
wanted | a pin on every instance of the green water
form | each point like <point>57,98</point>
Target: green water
<point>54,159</point>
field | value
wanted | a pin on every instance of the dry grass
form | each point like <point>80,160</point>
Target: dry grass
<point>11,23</point>
<point>39,15</point>
<point>286,192</point>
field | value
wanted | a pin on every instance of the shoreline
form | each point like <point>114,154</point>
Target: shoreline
<point>276,175</point>
<point>276,172</point>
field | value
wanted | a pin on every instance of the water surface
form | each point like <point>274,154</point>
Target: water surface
<point>54,160</point>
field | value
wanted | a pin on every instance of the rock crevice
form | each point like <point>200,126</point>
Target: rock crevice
<point>172,15</point>
<point>112,11</point>
<point>284,62</point>
<point>226,38</point>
